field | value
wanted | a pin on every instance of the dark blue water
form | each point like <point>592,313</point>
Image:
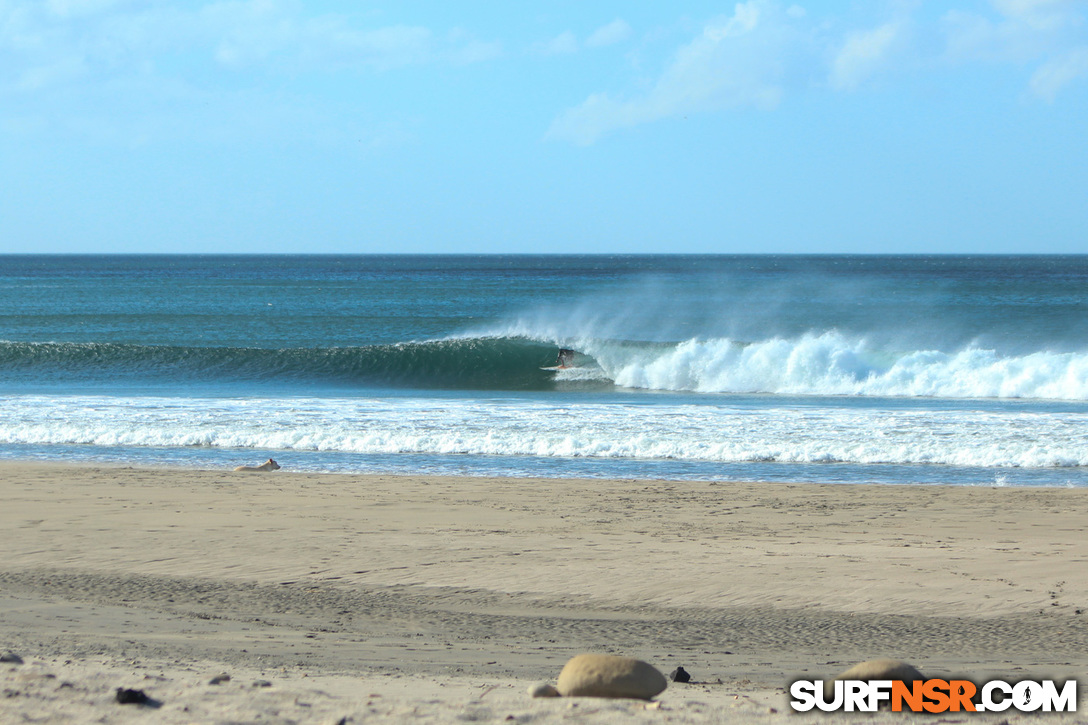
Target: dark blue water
<point>841,368</point>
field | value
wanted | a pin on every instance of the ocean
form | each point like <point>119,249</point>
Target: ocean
<point>969,370</point>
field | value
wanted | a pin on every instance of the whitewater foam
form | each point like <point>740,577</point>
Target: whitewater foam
<point>831,363</point>
<point>663,431</point>
<point>794,368</point>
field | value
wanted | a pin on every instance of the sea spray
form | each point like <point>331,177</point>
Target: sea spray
<point>833,364</point>
<point>831,368</point>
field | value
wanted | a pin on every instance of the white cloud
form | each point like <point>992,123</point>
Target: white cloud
<point>1023,29</point>
<point>121,72</point>
<point>745,19</point>
<point>464,48</point>
<point>474,51</point>
<point>739,60</point>
<point>1013,38</point>
<point>563,44</point>
<point>566,43</point>
<point>615,32</point>
<point>329,44</point>
<point>257,32</point>
<point>863,54</point>
<point>598,115</point>
<point>1051,77</point>
<point>762,51</point>
<point>81,8</point>
<point>63,69</point>
<point>1049,33</point>
<point>47,42</point>
<point>1039,14</point>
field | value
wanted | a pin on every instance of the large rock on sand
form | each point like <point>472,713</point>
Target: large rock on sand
<point>608,676</point>
<point>543,689</point>
<point>882,670</point>
<point>885,669</point>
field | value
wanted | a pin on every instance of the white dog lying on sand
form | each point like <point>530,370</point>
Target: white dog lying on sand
<point>268,465</point>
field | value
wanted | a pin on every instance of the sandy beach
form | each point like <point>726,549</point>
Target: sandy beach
<point>344,598</point>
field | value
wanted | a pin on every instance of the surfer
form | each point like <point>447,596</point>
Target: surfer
<point>565,359</point>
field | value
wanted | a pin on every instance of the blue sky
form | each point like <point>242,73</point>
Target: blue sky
<point>356,127</point>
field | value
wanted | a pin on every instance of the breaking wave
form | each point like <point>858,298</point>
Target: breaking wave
<point>817,364</point>
<point>834,364</point>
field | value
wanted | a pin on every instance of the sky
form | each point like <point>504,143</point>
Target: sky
<point>282,126</point>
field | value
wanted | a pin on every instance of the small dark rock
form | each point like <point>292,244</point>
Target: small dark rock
<point>11,658</point>
<point>219,679</point>
<point>135,697</point>
<point>680,675</point>
<point>262,683</point>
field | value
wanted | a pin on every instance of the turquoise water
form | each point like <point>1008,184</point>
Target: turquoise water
<point>968,370</point>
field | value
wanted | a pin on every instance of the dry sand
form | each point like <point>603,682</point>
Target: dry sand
<point>329,598</point>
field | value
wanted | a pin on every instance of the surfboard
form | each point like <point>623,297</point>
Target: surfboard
<point>563,360</point>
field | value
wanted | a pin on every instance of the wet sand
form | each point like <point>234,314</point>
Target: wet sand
<point>444,598</point>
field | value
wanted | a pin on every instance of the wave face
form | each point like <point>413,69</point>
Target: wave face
<point>889,368</point>
<point>827,364</point>
<point>501,363</point>
<point>940,327</point>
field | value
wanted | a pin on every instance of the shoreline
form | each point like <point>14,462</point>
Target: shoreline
<point>423,592</point>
